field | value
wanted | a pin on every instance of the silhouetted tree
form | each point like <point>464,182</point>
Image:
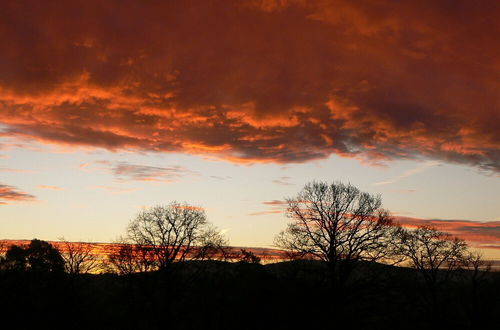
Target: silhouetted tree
<point>436,255</point>
<point>15,258</point>
<point>339,224</point>
<point>172,233</point>
<point>2,250</point>
<point>248,257</point>
<point>212,245</point>
<point>78,257</point>
<point>130,258</point>
<point>477,268</point>
<point>38,256</point>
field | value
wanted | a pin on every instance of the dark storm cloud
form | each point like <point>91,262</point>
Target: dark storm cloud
<point>257,81</point>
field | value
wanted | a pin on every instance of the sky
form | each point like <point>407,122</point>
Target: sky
<point>108,107</point>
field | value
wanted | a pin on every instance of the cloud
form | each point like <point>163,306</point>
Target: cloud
<point>117,190</point>
<point>289,82</point>
<point>265,212</point>
<point>275,202</point>
<point>190,207</point>
<point>283,180</point>
<point>9,194</point>
<point>124,171</point>
<point>47,187</point>
<point>220,177</point>
<point>14,170</point>
<point>481,234</point>
<point>276,206</point>
<point>420,168</point>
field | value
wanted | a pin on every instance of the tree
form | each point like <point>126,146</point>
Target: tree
<point>78,257</point>
<point>339,224</point>
<point>436,255</point>
<point>248,257</point>
<point>171,233</point>
<point>38,256</point>
<point>2,248</point>
<point>131,258</point>
<point>211,245</point>
<point>15,258</point>
<point>477,266</point>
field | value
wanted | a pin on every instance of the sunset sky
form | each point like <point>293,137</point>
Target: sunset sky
<point>107,107</point>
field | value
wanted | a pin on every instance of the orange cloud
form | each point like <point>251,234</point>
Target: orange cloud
<point>9,194</point>
<point>190,207</point>
<point>276,206</point>
<point>275,203</point>
<point>482,234</point>
<point>49,187</point>
<point>266,212</point>
<point>117,190</point>
<point>290,81</point>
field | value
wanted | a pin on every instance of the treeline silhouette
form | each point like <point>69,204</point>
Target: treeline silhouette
<point>345,263</point>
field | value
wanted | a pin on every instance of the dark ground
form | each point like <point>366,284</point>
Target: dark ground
<point>218,295</point>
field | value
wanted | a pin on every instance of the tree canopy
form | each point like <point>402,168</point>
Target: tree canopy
<point>37,256</point>
<point>336,223</point>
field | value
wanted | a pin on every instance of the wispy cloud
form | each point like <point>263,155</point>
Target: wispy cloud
<point>406,191</point>
<point>10,194</point>
<point>284,181</point>
<point>276,206</point>
<point>14,170</point>
<point>117,190</point>
<point>220,177</point>
<point>265,212</point>
<point>48,187</point>
<point>424,166</point>
<point>275,202</point>
<point>124,171</point>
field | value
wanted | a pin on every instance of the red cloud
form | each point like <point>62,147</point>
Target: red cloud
<point>266,212</point>
<point>289,81</point>
<point>483,234</point>
<point>275,202</point>
<point>9,194</point>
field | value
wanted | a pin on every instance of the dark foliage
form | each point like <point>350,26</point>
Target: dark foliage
<point>39,256</point>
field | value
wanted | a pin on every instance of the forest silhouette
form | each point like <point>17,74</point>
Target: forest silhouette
<point>344,262</point>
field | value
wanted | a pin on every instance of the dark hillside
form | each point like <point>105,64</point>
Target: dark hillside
<point>220,295</point>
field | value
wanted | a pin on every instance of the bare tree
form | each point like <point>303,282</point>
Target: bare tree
<point>78,257</point>
<point>211,246</point>
<point>130,258</point>
<point>477,267</point>
<point>172,233</point>
<point>339,224</point>
<point>436,255</point>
